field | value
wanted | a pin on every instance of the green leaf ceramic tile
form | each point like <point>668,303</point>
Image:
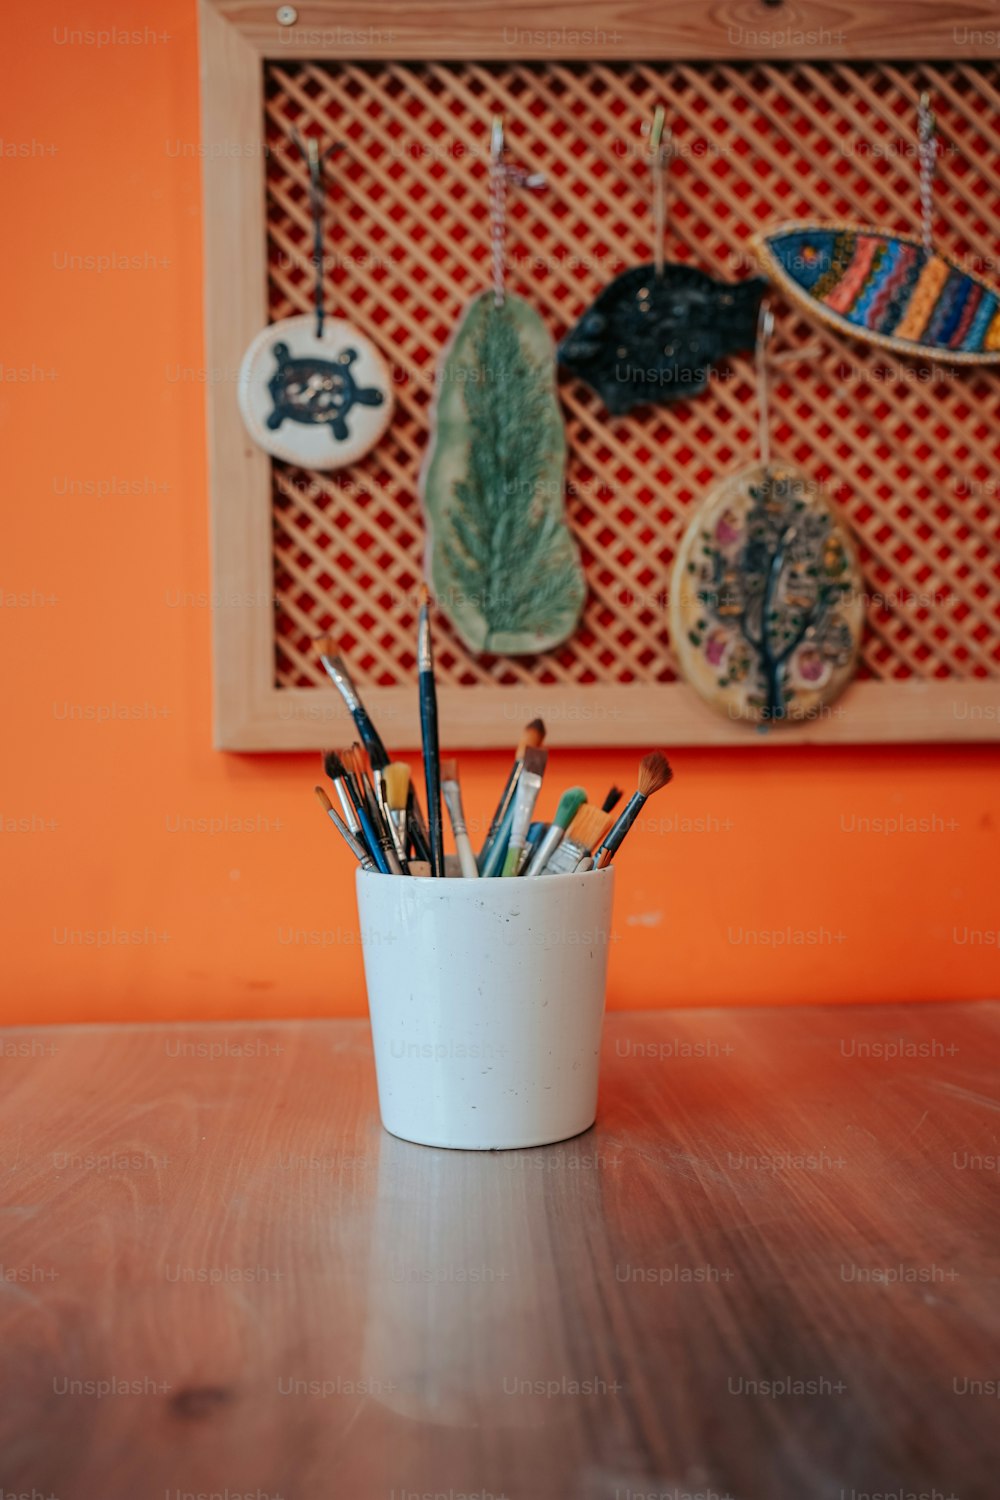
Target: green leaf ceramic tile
<point>501,559</point>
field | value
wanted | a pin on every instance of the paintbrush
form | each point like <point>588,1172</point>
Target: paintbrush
<point>532,738</point>
<point>397,787</point>
<point>375,780</point>
<point>569,805</point>
<point>338,674</point>
<point>360,853</point>
<point>612,800</point>
<point>452,793</point>
<point>536,833</point>
<point>429,732</point>
<point>376,836</point>
<point>336,670</point>
<point>337,772</point>
<point>377,811</point>
<point>529,784</point>
<point>654,773</point>
<point>582,836</point>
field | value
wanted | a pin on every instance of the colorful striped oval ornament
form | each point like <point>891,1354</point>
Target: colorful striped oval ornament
<point>884,288</point>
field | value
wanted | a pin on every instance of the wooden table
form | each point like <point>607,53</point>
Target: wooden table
<point>770,1271</point>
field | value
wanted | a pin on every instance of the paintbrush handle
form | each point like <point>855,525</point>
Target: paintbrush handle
<point>613,840</point>
<point>385,825</point>
<point>466,856</point>
<point>452,793</point>
<point>528,789</point>
<point>547,847</point>
<point>356,848</point>
<point>397,827</point>
<point>417,825</point>
<point>493,864</point>
<point>383,834</point>
<point>372,838</point>
<point>370,738</point>
<point>432,769</point>
<point>496,822</point>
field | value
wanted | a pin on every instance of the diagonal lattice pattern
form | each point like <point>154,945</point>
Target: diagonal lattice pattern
<point>909,455</point>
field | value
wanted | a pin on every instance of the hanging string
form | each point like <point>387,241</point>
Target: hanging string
<point>498,213</point>
<point>660,151</point>
<point>765,359</point>
<point>927,138</point>
<point>317,195</point>
<point>503,174</point>
<point>765,328</point>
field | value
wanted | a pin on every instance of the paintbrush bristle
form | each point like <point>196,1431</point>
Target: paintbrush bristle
<point>449,770</point>
<point>534,762</point>
<point>612,800</point>
<point>423,595</point>
<point>333,765</point>
<point>362,764</point>
<point>397,784</point>
<point>569,805</point>
<point>588,827</point>
<point>654,772</point>
<point>324,799</point>
<point>325,645</point>
<point>534,733</point>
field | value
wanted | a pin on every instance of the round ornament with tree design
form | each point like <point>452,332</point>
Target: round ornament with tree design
<point>766,607</point>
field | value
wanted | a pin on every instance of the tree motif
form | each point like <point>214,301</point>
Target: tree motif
<point>774,579</point>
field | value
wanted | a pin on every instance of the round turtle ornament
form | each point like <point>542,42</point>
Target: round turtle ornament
<point>766,604</point>
<point>318,401</point>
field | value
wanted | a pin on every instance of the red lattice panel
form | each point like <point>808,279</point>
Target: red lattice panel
<point>908,454</point>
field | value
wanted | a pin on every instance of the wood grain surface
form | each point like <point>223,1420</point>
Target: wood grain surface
<point>677,29</point>
<point>769,1271</point>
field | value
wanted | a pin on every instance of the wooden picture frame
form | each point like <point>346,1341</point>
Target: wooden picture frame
<point>251,712</point>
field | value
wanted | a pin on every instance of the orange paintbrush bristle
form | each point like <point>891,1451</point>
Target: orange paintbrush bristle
<point>588,827</point>
<point>654,773</point>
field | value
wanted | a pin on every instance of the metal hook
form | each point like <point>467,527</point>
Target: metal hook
<point>927,122</point>
<point>656,130</point>
<point>765,327</point>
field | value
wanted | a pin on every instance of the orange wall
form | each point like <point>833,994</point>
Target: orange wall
<point>103,389</point>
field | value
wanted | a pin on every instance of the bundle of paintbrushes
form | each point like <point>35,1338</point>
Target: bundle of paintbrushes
<point>382,822</point>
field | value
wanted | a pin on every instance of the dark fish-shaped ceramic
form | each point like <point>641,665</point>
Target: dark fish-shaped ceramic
<point>650,338</point>
<point>317,390</point>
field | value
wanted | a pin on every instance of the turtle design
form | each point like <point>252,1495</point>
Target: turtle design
<point>317,391</point>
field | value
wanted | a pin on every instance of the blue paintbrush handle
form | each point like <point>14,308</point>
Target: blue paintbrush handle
<point>432,770</point>
<point>493,863</point>
<point>370,737</point>
<point>371,838</point>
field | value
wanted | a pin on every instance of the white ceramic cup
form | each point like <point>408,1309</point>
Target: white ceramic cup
<point>486,1001</point>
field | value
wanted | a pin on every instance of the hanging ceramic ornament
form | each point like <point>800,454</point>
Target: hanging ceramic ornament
<point>654,333</point>
<point>885,288</point>
<point>314,390</point>
<point>766,604</point>
<point>500,555</point>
